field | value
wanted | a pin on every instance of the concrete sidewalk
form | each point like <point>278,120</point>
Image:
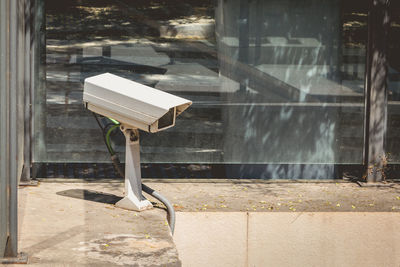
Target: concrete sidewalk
<point>74,223</point>
<point>70,224</point>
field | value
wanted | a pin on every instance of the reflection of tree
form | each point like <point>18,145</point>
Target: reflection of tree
<point>322,130</point>
<point>394,36</point>
<point>98,19</point>
<point>354,29</point>
<point>305,65</point>
<point>377,92</point>
<point>393,142</point>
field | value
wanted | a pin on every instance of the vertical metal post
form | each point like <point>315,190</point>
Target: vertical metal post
<point>26,175</point>
<point>376,96</point>
<point>39,96</point>
<point>134,199</point>
<point>4,182</point>
<point>11,126</point>
<point>12,244</point>
<point>33,72</point>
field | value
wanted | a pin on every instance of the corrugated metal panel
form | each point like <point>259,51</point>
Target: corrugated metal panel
<point>3,126</point>
<point>12,54</point>
<point>20,85</point>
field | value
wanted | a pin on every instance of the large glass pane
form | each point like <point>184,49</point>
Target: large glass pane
<point>393,126</point>
<point>271,81</point>
<point>296,80</point>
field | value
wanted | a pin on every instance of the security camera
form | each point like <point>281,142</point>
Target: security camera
<point>134,106</point>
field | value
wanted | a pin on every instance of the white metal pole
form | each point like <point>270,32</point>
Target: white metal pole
<point>134,199</point>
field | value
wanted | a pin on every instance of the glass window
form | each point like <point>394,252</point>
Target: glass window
<point>271,81</point>
<point>295,72</point>
<point>393,126</point>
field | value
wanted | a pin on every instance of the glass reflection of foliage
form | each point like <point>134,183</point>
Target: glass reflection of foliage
<point>299,69</point>
<point>394,48</point>
<point>393,81</point>
<point>88,37</point>
<point>102,19</point>
<point>354,21</point>
<point>286,77</point>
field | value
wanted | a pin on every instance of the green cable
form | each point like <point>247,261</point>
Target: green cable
<point>108,143</point>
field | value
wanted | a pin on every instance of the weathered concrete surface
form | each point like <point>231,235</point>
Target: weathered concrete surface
<point>250,223</point>
<point>278,196</point>
<point>288,239</point>
<point>73,224</point>
<point>212,238</point>
<point>219,223</point>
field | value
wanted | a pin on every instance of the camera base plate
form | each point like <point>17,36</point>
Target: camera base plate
<point>132,203</point>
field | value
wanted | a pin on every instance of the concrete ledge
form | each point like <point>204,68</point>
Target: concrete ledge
<point>288,239</point>
<point>261,196</point>
<point>191,180</point>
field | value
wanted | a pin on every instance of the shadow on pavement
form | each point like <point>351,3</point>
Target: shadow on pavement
<point>90,195</point>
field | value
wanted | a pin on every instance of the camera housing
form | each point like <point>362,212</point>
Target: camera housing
<point>135,105</point>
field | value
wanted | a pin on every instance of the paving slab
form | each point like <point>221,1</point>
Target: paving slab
<point>77,224</point>
<point>212,239</point>
<point>324,239</point>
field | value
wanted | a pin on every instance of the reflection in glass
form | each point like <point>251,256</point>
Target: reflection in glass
<point>271,81</point>
<point>296,80</point>
<point>393,124</point>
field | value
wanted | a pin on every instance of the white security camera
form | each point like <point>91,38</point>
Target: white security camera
<point>134,106</point>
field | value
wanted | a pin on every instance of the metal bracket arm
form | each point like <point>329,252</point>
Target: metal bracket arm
<point>134,199</point>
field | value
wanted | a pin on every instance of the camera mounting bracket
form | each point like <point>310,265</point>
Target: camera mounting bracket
<point>134,199</point>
